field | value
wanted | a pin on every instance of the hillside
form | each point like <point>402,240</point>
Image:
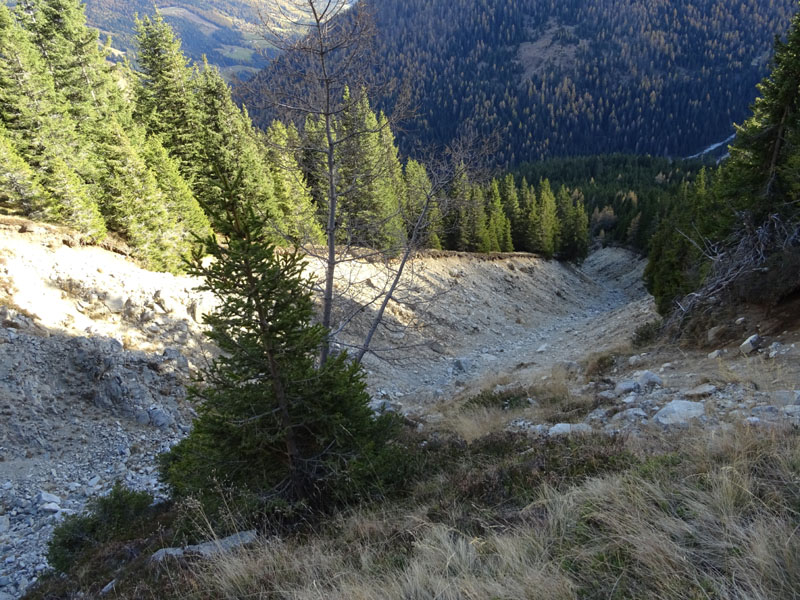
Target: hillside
<point>596,77</point>
<point>227,33</point>
<point>102,350</point>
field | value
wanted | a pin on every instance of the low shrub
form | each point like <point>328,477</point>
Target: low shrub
<point>119,515</point>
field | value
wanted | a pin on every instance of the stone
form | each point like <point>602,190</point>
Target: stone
<point>629,399</point>
<point>626,387</point>
<point>680,412</point>
<point>560,429</point>
<point>751,344</point>
<point>461,365</point>
<point>785,397</point>
<point>161,555</point>
<point>160,418</point>
<point>107,588</point>
<point>648,379</point>
<point>629,415</point>
<point>5,523</point>
<point>714,333</point>
<point>715,354</point>
<point>541,349</point>
<point>46,497</point>
<point>740,321</point>
<point>606,396</point>
<point>635,360</point>
<point>581,428</point>
<point>211,548</point>
<point>701,391</point>
<point>50,507</point>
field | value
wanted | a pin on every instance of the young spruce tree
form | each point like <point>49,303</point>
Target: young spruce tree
<point>274,426</point>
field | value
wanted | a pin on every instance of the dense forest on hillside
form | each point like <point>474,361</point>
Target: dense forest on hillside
<point>626,196</point>
<point>571,77</point>
<point>149,154</point>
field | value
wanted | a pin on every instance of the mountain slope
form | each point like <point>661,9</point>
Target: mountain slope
<point>579,77</point>
<point>227,32</point>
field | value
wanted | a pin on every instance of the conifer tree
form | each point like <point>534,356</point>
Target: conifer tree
<point>418,190</point>
<point>230,145</point>
<point>478,237</point>
<point>296,213</point>
<point>73,56</point>
<point>498,227</point>
<point>545,237</point>
<point>370,177</point>
<point>137,208</point>
<point>166,102</point>
<point>273,425</point>
<point>179,200</point>
<point>761,175</point>
<point>19,186</point>
<point>514,213</point>
<point>44,135</point>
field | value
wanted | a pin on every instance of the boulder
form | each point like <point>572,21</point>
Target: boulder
<point>680,412</point>
<point>160,418</point>
<point>46,497</point>
<point>237,540</point>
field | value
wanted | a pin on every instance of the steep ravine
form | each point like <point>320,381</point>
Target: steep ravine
<point>95,354</point>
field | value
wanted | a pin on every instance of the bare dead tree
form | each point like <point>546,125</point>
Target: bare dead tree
<point>326,48</point>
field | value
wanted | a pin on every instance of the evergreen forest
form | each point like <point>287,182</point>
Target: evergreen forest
<point>558,78</point>
<point>140,154</point>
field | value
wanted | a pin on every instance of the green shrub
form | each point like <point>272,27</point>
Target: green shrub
<point>120,515</point>
<point>646,334</point>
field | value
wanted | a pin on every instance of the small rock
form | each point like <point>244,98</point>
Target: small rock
<point>714,333</point>
<point>715,354</point>
<point>560,429</point>
<point>785,397</point>
<point>701,391</point>
<point>5,523</point>
<point>740,321</point>
<point>679,412</point>
<point>45,498</point>
<point>108,587</point>
<point>626,387</point>
<point>751,344</point>
<point>629,399</point>
<point>50,507</point>
<point>629,415</point>
<point>648,379</point>
<point>635,360</point>
<point>542,348</point>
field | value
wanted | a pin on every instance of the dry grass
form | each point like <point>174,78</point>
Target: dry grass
<point>718,520</point>
<point>551,399</point>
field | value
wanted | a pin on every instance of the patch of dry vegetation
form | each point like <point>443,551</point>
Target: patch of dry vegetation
<point>508,516</point>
